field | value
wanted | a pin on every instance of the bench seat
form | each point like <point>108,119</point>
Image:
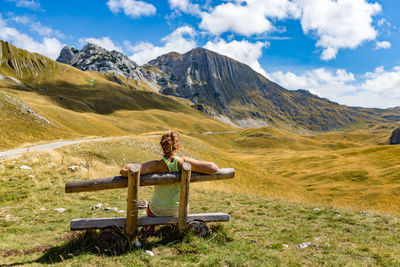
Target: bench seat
<point>100,223</point>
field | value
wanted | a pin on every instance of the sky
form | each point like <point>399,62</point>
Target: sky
<point>343,50</point>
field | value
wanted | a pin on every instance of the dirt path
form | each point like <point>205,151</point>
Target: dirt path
<point>46,146</point>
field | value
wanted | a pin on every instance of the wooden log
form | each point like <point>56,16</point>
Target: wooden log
<point>145,180</point>
<point>184,196</point>
<point>132,199</point>
<point>100,223</point>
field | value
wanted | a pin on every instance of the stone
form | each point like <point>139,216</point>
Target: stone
<point>42,209</point>
<point>24,167</point>
<point>51,164</point>
<point>395,137</point>
<point>305,244</point>
<point>73,168</point>
<point>316,209</point>
<point>364,212</point>
<point>149,252</point>
<point>60,209</point>
<point>97,206</point>
<point>285,245</point>
<point>111,209</point>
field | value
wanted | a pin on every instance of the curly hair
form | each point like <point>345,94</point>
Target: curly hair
<point>170,143</point>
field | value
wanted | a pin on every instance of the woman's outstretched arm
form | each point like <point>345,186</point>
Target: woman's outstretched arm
<point>206,167</point>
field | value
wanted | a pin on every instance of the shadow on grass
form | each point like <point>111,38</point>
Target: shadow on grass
<point>113,242</point>
<point>109,242</point>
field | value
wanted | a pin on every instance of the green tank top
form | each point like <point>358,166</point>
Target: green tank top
<point>165,199</point>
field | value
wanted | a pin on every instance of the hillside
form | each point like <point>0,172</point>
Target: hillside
<point>79,103</point>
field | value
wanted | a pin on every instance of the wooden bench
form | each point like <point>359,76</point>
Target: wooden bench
<point>133,182</point>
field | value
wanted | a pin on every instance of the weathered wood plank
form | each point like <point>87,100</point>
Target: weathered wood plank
<point>132,199</point>
<point>145,180</point>
<point>100,223</point>
<point>184,196</point>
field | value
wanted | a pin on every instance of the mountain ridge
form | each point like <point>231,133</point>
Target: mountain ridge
<point>225,88</point>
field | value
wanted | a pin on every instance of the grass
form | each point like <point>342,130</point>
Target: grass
<point>262,231</point>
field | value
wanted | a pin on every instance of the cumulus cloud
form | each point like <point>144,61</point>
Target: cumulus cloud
<point>338,24</point>
<point>104,42</point>
<point>322,82</point>
<point>382,45</point>
<point>378,89</point>
<point>131,8</point>
<point>31,4</point>
<point>386,83</point>
<point>181,41</point>
<point>247,17</point>
<point>243,51</point>
<point>49,47</point>
<point>36,26</point>
<point>185,6</point>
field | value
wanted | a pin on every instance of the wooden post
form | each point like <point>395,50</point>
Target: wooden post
<point>184,196</point>
<point>132,200</point>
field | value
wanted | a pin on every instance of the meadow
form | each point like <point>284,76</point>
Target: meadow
<point>271,214</point>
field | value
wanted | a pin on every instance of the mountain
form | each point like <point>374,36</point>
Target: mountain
<point>226,89</point>
<point>237,92</point>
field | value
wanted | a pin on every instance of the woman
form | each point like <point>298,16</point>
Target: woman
<point>165,199</point>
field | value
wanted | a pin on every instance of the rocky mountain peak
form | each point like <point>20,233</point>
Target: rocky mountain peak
<point>96,58</point>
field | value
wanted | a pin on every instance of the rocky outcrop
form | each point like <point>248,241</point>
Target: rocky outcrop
<point>68,55</point>
<point>95,58</point>
<point>395,137</point>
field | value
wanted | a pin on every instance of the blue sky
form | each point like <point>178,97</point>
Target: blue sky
<point>345,50</point>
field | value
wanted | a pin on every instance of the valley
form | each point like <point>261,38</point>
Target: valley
<point>307,153</point>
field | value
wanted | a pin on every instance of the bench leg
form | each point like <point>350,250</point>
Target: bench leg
<point>132,200</point>
<point>184,196</point>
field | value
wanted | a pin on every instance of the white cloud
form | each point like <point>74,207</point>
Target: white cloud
<point>378,89</point>
<point>338,24</point>
<point>243,51</point>
<point>37,27</point>
<point>131,8</point>
<point>383,22</point>
<point>31,4</point>
<point>181,41</point>
<point>247,17</point>
<point>104,42</point>
<point>49,47</point>
<point>321,82</point>
<point>382,45</point>
<point>185,6</point>
<point>386,83</point>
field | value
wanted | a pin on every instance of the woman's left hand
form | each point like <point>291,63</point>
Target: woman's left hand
<point>124,170</point>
